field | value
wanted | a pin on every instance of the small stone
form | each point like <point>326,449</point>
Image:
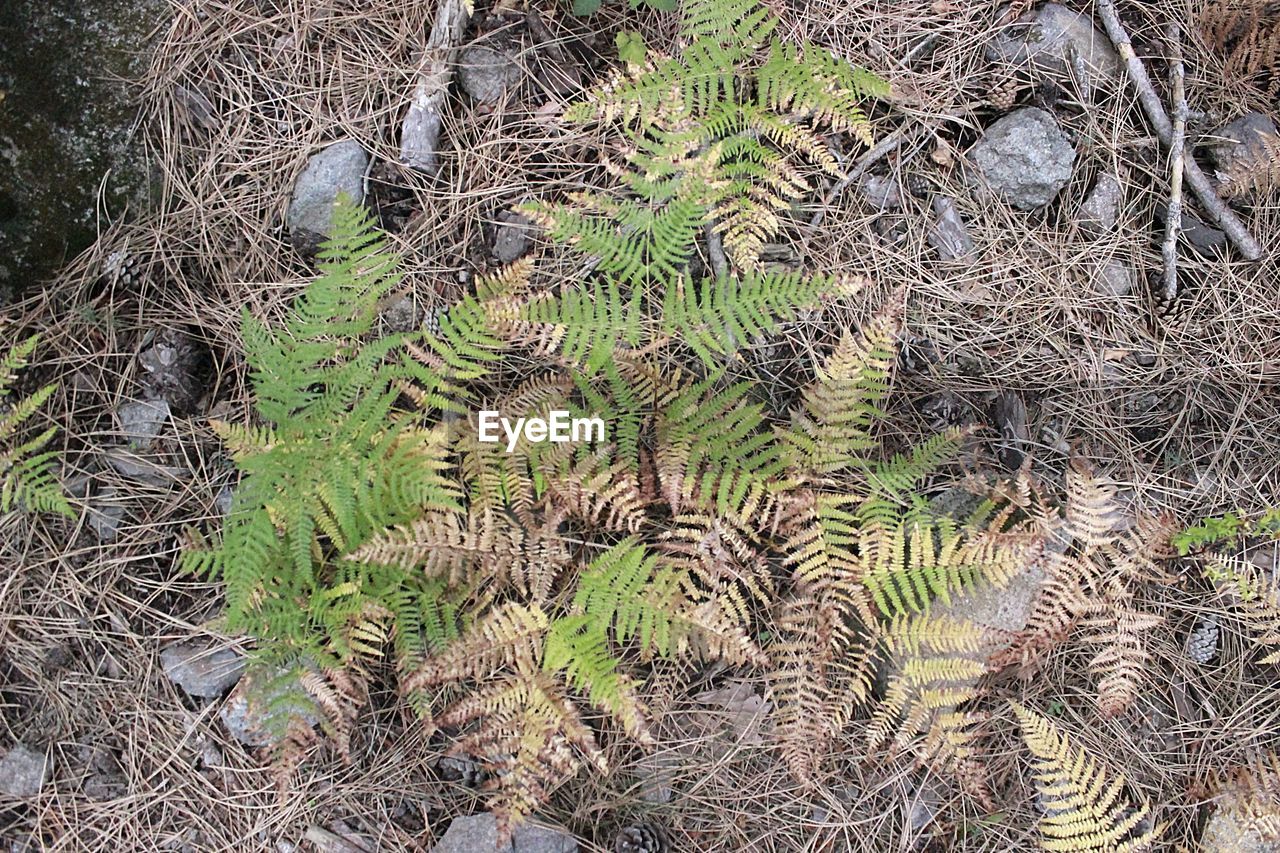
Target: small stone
<point>1205,239</point>
<point>202,668</point>
<point>223,500</point>
<point>1025,158</point>
<point>1238,139</point>
<point>1116,278</point>
<point>142,420</point>
<point>881,193</point>
<point>487,74</point>
<point>23,772</point>
<point>479,834</point>
<point>140,469</point>
<point>1052,39</point>
<point>512,237</point>
<point>244,712</point>
<point>402,315</point>
<point>949,234</point>
<point>104,786</point>
<point>339,168</point>
<point>106,513</point>
<point>1098,213</point>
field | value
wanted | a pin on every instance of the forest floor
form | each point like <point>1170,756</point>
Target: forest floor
<point>1047,329</point>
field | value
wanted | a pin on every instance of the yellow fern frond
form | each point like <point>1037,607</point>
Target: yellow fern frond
<point>830,431</point>
<point>1086,809</point>
<point>509,637</point>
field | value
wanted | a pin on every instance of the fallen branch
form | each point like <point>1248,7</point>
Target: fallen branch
<point>420,132</point>
<point>1200,183</point>
<point>1177,156</point>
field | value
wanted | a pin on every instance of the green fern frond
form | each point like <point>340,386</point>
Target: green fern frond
<point>718,316</point>
<point>713,135</point>
<point>740,23</point>
<point>713,452</point>
<point>27,477</point>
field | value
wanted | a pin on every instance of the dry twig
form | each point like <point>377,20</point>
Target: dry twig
<point>420,132</point>
<point>1177,156</point>
<point>1195,176</point>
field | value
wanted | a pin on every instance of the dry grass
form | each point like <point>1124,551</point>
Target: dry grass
<point>81,623</point>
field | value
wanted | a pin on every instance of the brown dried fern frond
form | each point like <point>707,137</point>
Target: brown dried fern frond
<point>529,735</point>
<point>821,670</point>
<point>1119,631</point>
<point>596,491</point>
<point>1255,170</point>
<point>1093,513</point>
<point>1246,33</point>
<point>488,546</point>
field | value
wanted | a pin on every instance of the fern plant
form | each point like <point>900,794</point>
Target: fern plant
<point>716,138</point>
<point>332,462</point>
<point>531,583</point>
<point>1103,556</point>
<point>1086,809</point>
<point>1225,547</point>
<point>27,479</point>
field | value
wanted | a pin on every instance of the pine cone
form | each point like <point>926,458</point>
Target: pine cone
<point>642,837</point>
<point>1202,642</point>
<point>1004,96</point>
<point>459,768</point>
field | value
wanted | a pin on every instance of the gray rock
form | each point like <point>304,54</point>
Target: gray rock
<point>106,513</point>
<point>1098,214</point>
<point>1025,158</point>
<point>1116,278</point>
<point>479,834</point>
<point>23,772</point>
<point>202,668</point>
<point>142,420</point>
<point>949,234</point>
<point>339,168</point>
<point>1237,827</point>
<point>512,237</point>
<point>880,192</point>
<point>245,711</point>
<point>1052,39</point>
<point>223,500</point>
<point>1238,139</point>
<point>142,469</point>
<point>402,315</point>
<point>487,74</point>
<point>1205,239</point>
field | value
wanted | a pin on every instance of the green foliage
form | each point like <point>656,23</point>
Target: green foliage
<point>525,583</point>
<point>27,479</point>
<point>1224,529</point>
<point>715,139</point>
<point>334,463</point>
<point>631,48</point>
